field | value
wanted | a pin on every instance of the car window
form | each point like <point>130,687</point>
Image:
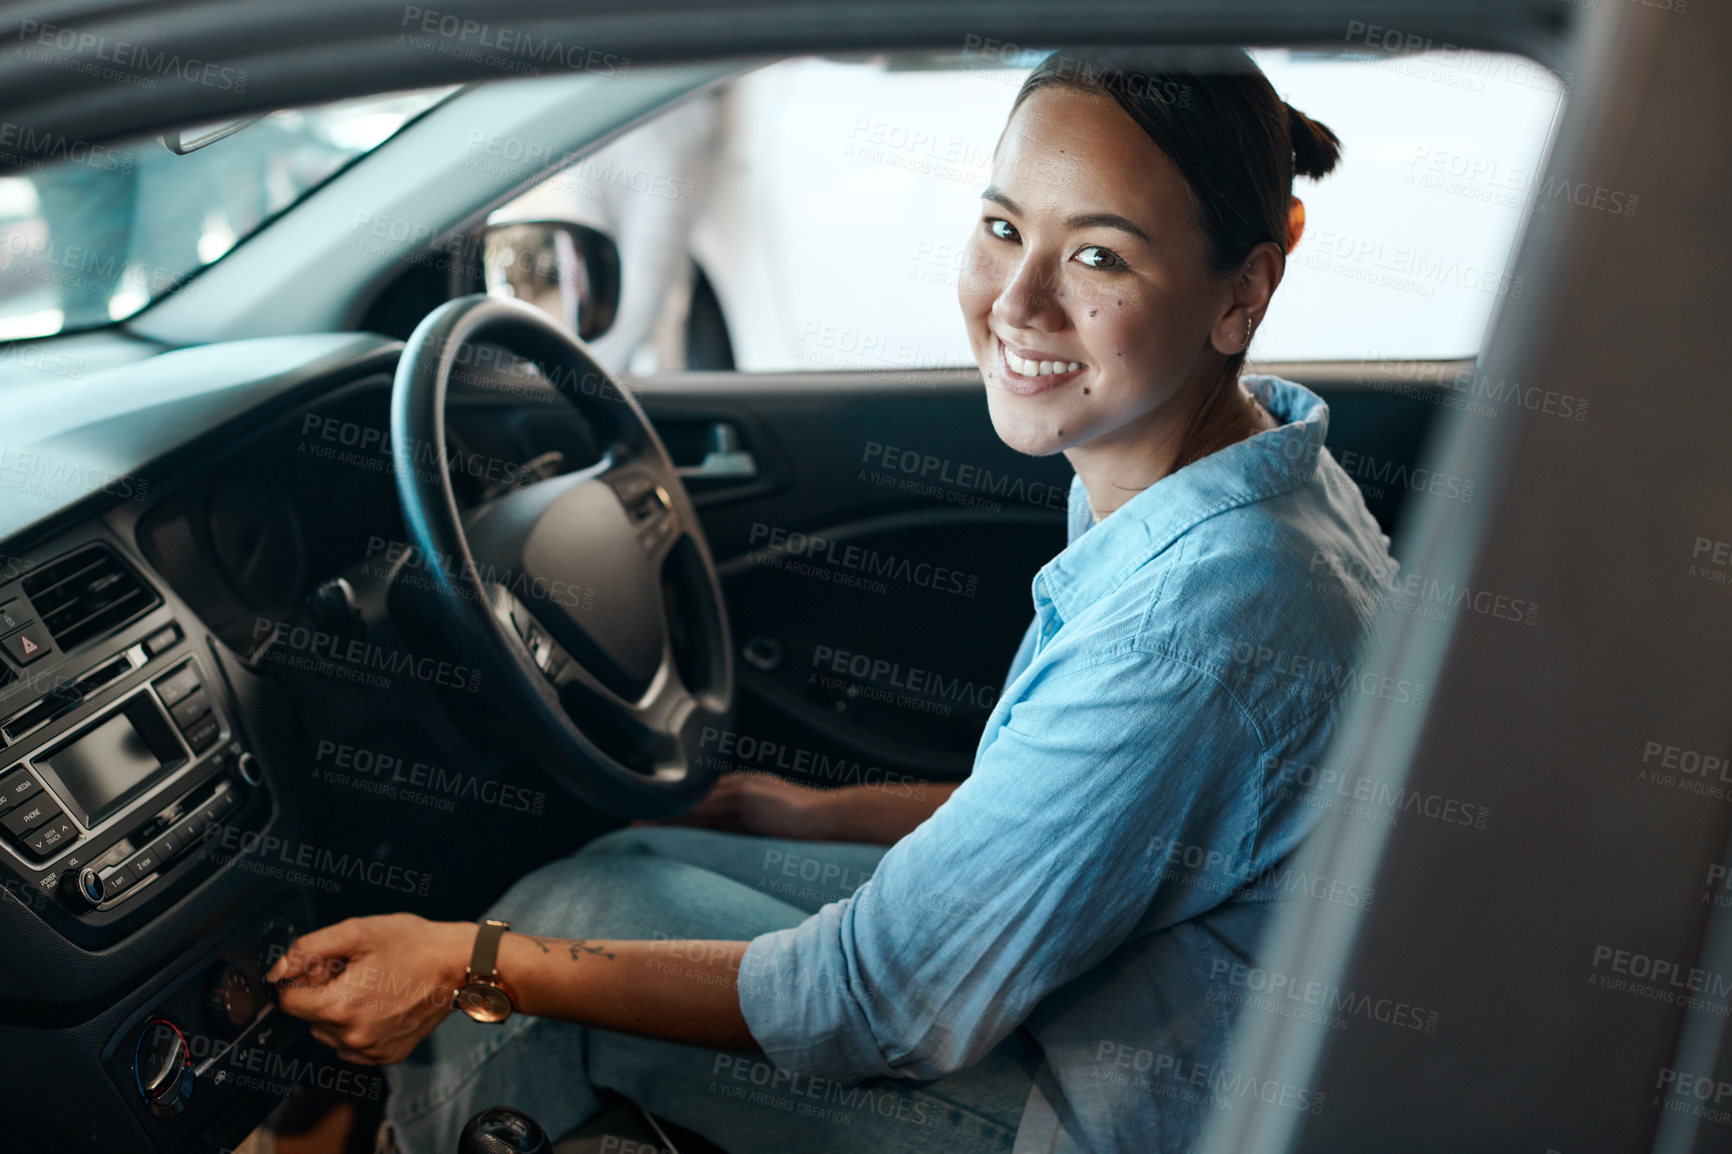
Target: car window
<point>812,215</point>
<point>98,232</point>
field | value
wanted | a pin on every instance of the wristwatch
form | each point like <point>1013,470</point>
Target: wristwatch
<point>481,996</point>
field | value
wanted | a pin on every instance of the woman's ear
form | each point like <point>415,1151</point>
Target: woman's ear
<point>1253,286</point>
<point>1295,222</point>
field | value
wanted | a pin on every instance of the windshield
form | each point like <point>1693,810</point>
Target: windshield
<point>95,237</point>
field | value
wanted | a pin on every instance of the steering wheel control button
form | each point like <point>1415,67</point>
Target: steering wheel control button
<point>175,687</point>
<point>660,534</point>
<point>231,1001</point>
<point>16,788</point>
<point>163,639</point>
<point>162,1064</point>
<point>37,812</point>
<point>28,644</point>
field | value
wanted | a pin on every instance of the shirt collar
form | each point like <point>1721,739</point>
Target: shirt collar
<point>1100,557</point>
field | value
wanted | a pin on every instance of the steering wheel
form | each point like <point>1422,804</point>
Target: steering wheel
<point>588,601</point>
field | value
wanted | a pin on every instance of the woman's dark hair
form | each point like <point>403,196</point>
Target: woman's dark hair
<point>1217,117</point>
<point>1215,114</point>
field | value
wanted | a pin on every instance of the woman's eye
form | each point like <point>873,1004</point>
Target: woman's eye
<point>1094,256</point>
<point>1002,229</point>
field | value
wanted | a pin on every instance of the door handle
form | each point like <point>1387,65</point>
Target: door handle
<point>726,459</point>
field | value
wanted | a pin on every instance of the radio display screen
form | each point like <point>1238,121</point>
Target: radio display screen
<point>114,759</point>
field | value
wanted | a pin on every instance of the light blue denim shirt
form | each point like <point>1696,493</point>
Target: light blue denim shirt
<point>1120,840</point>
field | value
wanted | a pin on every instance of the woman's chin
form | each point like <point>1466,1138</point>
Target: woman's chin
<point>1025,432</point>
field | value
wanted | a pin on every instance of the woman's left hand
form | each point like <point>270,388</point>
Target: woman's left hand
<point>373,987</point>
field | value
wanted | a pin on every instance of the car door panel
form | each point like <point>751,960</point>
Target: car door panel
<point>877,559</point>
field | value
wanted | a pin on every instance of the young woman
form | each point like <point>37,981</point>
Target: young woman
<point>1044,954</point>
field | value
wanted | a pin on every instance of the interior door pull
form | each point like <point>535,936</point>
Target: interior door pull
<point>726,458</point>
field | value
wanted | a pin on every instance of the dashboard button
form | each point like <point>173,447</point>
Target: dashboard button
<point>169,844</point>
<point>144,863</point>
<point>194,706</point>
<point>220,805</point>
<point>22,819</point>
<point>51,838</point>
<point>186,832</point>
<point>117,881</point>
<point>163,638</point>
<point>203,732</point>
<point>178,684</point>
<point>28,643</point>
<point>14,615</point>
<point>17,786</point>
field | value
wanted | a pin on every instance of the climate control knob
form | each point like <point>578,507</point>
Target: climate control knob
<point>162,1064</point>
<point>231,1001</point>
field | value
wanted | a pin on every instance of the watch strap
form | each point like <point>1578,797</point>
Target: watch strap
<point>484,960</point>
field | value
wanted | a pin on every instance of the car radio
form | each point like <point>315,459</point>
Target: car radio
<point>115,760</point>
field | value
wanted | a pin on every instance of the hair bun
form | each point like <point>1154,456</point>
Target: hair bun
<point>1316,149</point>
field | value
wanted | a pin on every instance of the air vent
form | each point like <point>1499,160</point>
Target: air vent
<point>87,594</point>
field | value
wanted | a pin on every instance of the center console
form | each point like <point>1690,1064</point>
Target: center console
<point>117,752</point>
<point>126,780</point>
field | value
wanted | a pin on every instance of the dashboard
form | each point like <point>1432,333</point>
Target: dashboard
<point>141,765</point>
<point>298,522</point>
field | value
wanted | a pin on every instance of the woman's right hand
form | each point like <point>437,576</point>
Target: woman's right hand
<point>765,804</point>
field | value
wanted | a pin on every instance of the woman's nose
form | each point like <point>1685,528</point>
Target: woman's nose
<point>1030,299</point>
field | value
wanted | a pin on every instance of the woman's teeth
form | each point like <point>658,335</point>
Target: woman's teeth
<point>1039,368</point>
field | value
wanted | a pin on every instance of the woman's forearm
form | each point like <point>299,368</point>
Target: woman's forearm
<point>679,991</point>
<point>870,813</point>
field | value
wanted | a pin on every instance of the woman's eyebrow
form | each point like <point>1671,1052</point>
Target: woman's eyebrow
<point>1106,220</point>
<point>1081,220</point>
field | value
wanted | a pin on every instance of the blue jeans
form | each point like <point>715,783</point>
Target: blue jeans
<point>674,883</point>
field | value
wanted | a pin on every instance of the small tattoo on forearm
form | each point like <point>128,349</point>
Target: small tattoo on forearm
<point>578,948</point>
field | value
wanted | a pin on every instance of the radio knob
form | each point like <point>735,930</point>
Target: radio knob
<point>162,1064</point>
<point>231,1000</point>
<point>247,768</point>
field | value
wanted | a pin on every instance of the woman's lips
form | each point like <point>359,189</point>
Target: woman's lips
<point>1025,385</point>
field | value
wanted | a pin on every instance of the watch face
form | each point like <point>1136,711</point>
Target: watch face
<point>483,1002</point>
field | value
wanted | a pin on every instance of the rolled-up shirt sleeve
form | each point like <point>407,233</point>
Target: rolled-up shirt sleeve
<point>1050,855</point>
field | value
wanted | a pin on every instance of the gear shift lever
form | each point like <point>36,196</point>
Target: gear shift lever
<point>502,1130</point>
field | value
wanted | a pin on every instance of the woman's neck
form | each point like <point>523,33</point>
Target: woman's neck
<point>1115,472</point>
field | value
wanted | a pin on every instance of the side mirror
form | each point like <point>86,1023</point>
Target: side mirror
<point>568,271</point>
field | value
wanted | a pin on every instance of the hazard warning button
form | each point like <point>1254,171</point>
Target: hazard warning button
<point>28,643</point>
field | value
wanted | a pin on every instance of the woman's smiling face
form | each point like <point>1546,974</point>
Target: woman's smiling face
<point>1087,288</point>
